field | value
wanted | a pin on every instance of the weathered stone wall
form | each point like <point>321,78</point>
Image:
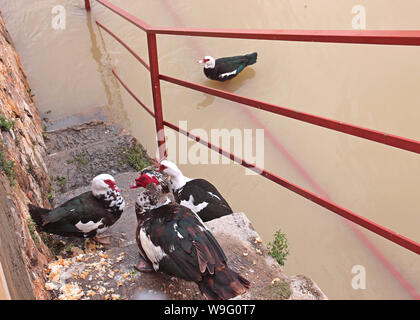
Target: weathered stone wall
<point>23,178</point>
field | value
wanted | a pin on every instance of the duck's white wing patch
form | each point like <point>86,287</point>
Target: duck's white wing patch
<point>227,74</point>
<point>195,208</point>
<point>154,253</point>
<point>88,226</point>
<point>213,195</point>
<point>177,232</point>
<point>190,204</point>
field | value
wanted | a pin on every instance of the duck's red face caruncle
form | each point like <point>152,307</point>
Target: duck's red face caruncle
<point>145,180</point>
<point>203,61</point>
<point>112,185</point>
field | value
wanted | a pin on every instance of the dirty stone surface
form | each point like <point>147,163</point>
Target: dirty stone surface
<point>107,272</point>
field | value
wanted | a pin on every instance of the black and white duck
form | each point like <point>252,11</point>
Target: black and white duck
<point>223,69</point>
<point>199,195</point>
<point>86,215</point>
<point>173,239</point>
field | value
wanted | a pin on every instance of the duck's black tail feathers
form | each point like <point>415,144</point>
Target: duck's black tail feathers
<point>252,58</point>
<point>38,214</point>
<point>223,284</point>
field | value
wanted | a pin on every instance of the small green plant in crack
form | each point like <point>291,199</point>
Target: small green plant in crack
<point>50,196</point>
<point>30,169</point>
<point>6,125</point>
<point>81,160</point>
<point>30,94</point>
<point>61,182</point>
<point>8,168</point>
<point>135,157</point>
<point>53,244</point>
<point>68,248</point>
<point>279,248</point>
<point>32,229</point>
<point>44,131</point>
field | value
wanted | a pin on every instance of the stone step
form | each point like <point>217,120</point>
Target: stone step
<point>90,114</point>
<point>90,150</point>
<point>119,280</point>
<point>81,135</point>
<point>246,254</point>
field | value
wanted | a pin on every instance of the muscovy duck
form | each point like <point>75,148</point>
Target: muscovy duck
<point>172,239</point>
<point>147,204</point>
<point>151,171</point>
<point>223,69</point>
<point>86,215</point>
<point>197,194</point>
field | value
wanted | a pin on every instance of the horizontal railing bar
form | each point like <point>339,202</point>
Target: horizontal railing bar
<point>377,136</point>
<point>126,15</point>
<point>331,206</point>
<point>148,110</point>
<point>144,63</point>
<point>385,37</point>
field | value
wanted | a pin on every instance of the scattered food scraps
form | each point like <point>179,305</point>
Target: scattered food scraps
<point>258,240</point>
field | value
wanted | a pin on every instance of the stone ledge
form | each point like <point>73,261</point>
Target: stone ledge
<point>109,274</point>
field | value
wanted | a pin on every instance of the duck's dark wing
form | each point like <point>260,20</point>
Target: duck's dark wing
<point>84,208</point>
<point>227,68</point>
<point>204,192</point>
<point>190,250</point>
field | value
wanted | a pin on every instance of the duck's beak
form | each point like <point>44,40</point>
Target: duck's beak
<point>200,61</point>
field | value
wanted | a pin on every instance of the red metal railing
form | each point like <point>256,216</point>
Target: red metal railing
<point>365,37</point>
<point>200,51</point>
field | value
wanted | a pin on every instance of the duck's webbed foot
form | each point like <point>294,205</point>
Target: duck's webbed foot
<point>103,239</point>
<point>144,266</point>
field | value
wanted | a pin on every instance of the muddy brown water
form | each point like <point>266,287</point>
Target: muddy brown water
<point>367,85</point>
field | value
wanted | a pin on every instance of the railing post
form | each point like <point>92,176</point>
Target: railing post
<point>87,5</point>
<point>157,99</point>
